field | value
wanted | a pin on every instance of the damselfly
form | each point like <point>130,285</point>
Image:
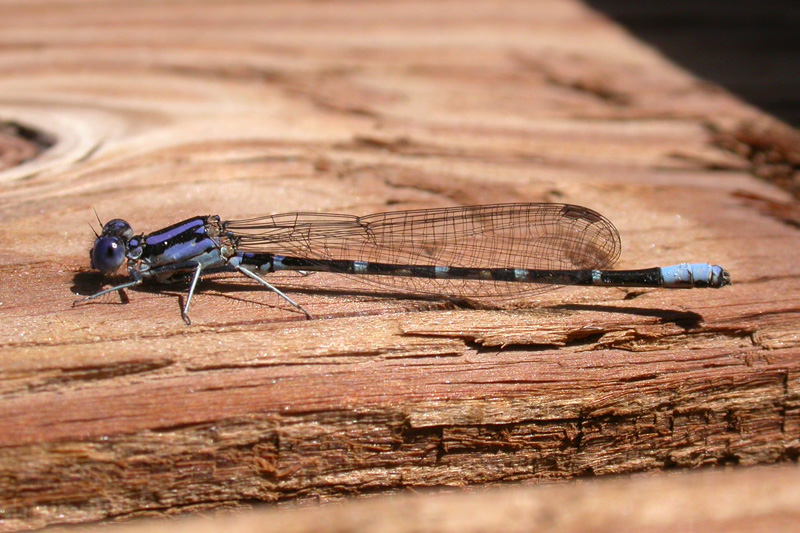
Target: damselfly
<point>500,251</point>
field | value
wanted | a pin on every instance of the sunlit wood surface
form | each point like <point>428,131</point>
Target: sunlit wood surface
<point>154,112</point>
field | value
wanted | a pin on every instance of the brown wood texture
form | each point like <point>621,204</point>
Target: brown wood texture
<point>156,112</point>
<point>745,500</point>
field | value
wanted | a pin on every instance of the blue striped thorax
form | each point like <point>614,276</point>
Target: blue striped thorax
<point>192,240</point>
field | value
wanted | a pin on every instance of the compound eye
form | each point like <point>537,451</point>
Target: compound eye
<point>107,254</point>
<point>118,228</point>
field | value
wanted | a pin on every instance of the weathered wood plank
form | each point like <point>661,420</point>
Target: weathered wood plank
<point>750,499</point>
<point>118,410</point>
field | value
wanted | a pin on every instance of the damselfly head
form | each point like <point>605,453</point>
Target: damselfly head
<point>117,228</point>
<point>111,247</point>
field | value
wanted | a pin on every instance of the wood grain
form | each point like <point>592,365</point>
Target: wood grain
<point>163,111</point>
<point>747,500</point>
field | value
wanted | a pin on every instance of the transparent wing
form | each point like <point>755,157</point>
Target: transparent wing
<point>541,236</point>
